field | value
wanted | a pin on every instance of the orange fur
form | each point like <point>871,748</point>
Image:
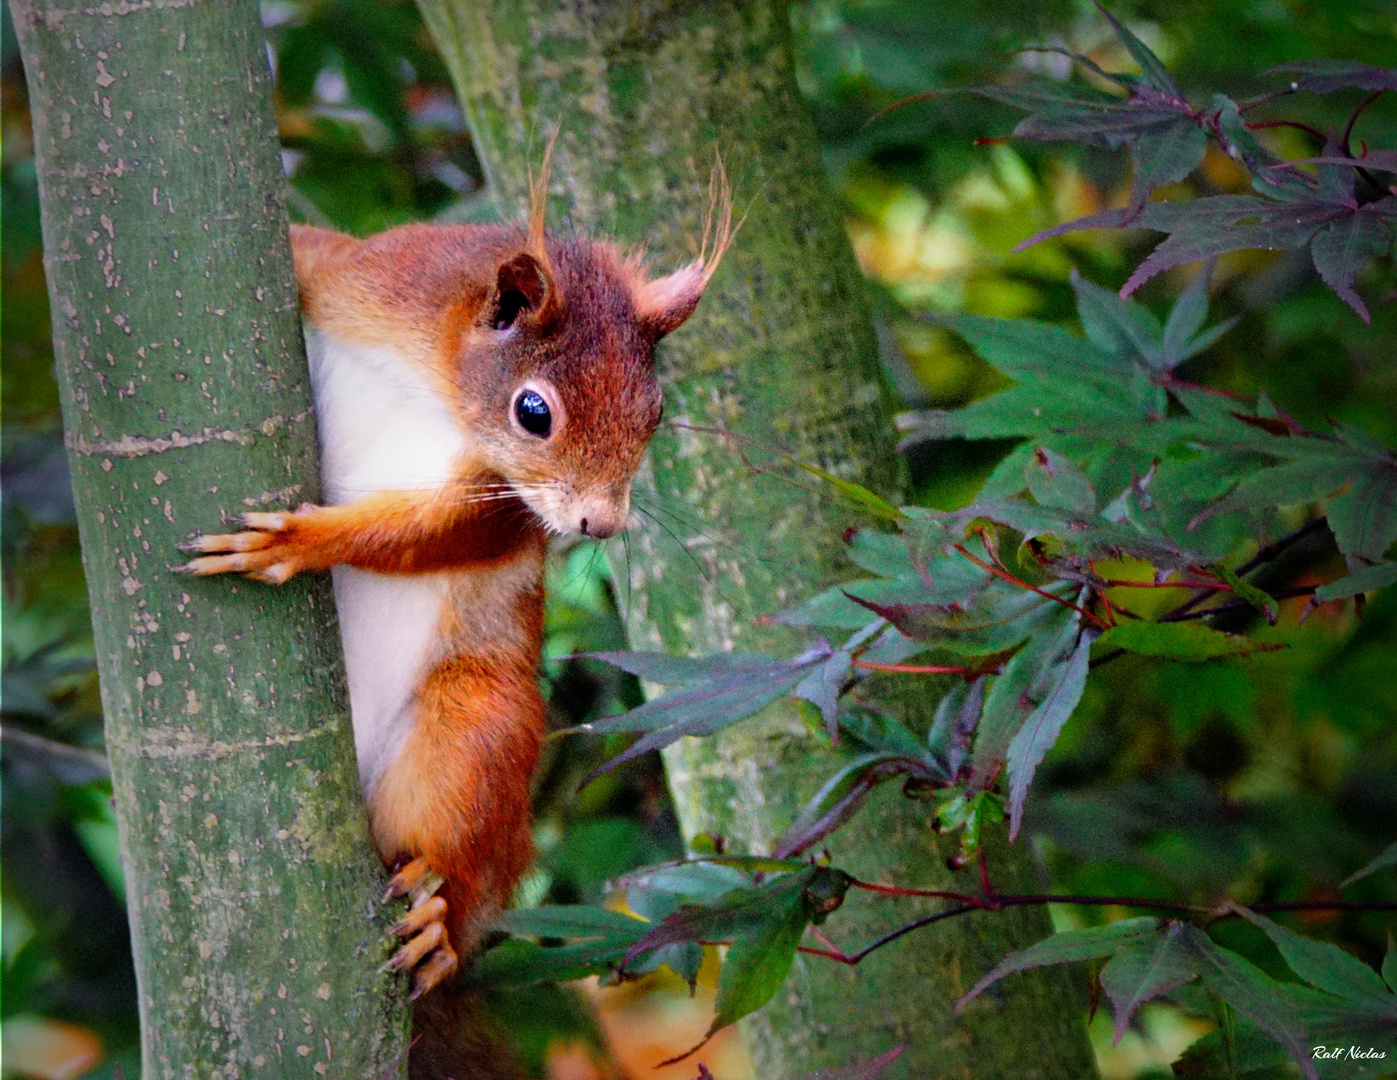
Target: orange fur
<point>478,315</point>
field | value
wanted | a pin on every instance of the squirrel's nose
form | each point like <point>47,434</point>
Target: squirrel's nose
<point>598,528</point>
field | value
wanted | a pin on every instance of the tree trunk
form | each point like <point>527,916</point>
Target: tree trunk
<point>781,352</point>
<point>252,886</point>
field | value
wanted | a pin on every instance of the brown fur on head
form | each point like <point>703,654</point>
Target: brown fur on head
<point>545,343</point>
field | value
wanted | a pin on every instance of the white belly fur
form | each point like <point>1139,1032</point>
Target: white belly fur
<point>381,428</point>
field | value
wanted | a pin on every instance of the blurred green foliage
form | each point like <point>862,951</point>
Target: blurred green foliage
<point>1270,778</point>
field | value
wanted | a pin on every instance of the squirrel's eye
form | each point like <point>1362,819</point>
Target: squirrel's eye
<point>533,414</point>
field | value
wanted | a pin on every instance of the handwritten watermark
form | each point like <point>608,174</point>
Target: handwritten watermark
<point>1346,1053</point>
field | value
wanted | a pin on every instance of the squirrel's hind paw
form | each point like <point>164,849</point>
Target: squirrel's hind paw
<point>427,947</point>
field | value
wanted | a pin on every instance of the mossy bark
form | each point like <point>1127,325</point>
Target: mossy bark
<point>782,355</point>
<point>250,878</point>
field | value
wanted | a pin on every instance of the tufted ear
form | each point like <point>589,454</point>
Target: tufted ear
<point>664,304</point>
<point>524,291</point>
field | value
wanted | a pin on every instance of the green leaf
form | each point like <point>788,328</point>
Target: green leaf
<point>1252,993</point>
<point>992,621</point>
<point>1290,484</point>
<point>1385,858</point>
<point>957,716</point>
<point>1389,962</point>
<point>1321,964</point>
<point>881,553</point>
<point>703,707</point>
<point>823,686</point>
<point>1366,580</point>
<point>739,912</point>
<point>1178,641</point>
<point>1155,73</point>
<point>1025,349</point>
<point>839,797</point>
<point>1055,481</point>
<point>655,892</point>
<point>1364,518</point>
<point>1068,947</point>
<point>834,609</point>
<point>861,495</point>
<point>882,733</point>
<point>1138,973</point>
<point>1043,726</point>
<point>569,921</point>
<point>1263,601</point>
<point>1236,1048</point>
<point>756,965</point>
<point>1125,327</point>
<point>1186,318</point>
<point>516,963</point>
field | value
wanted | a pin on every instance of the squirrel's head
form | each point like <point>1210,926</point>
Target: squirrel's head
<point>546,343</point>
<point>566,341</point>
<point>567,336</point>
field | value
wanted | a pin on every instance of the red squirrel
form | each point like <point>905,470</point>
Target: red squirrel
<point>477,388</point>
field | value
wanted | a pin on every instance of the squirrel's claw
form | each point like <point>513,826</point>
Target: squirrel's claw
<point>419,918</point>
<point>439,967</point>
<point>262,553</point>
<point>427,947</point>
<point>433,935</point>
<point>408,876</point>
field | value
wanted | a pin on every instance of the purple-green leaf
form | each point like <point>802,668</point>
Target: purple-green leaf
<point>1164,155</point>
<point>1156,75</point>
<point>703,707</point>
<point>840,797</point>
<point>1140,972</point>
<point>1340,250</point>
<point>1043,726</point>
<point>1009,700</point>
<point>1068,947</point>
<point>1252,993</point>
<point>1326,76</point>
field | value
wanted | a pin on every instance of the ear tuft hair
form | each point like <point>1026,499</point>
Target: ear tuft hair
<point>664,304</point>
<point>538,205</point>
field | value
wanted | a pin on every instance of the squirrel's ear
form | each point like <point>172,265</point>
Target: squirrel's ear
<point>664,304</point>
<point>524,289</point>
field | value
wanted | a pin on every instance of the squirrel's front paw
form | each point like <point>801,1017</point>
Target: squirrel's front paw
<point>268,550</point>
<point>426,947</point>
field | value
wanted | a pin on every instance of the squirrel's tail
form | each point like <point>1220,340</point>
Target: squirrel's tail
<point>454,1039</point>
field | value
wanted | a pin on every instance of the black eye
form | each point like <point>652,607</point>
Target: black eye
<point>532,413</point>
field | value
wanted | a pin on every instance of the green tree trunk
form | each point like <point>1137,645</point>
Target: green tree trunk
<point>781,352</point>
<point>252,886</point>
